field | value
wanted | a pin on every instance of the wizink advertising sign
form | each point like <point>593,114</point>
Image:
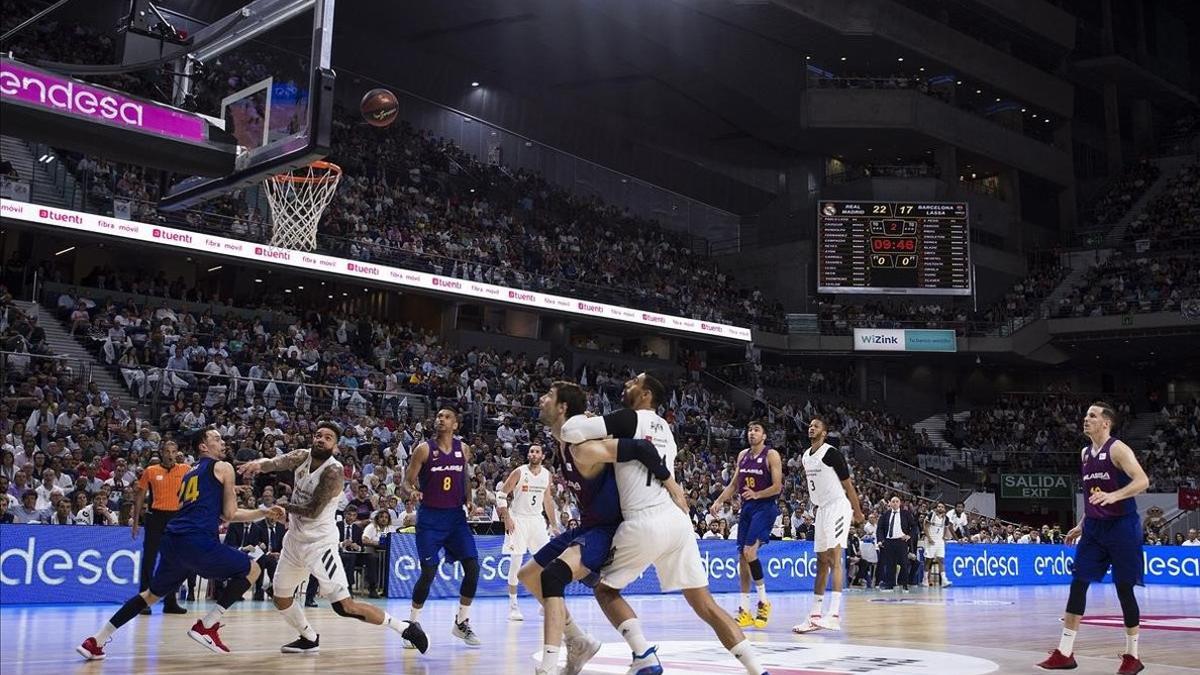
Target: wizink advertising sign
<point>904,340</point>
<point>33,87</point>
<point>68,563</point>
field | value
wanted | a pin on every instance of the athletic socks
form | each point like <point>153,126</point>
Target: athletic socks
<point>549,657</point>
<point>1066,644</point>
<point>463,612</point>
<point>745,602</point>
<point>414,614</point>
<point>214,615</point>
<point>1130,645</point>
<point>744,653</point>
<point>762,591</point>
<point>104,633</point>
<point>394,623</point>
<point>512,599</point>
<point>631,630</point>
<point>835,602</point>
<point>294,616</point>
<point>572,631</point>
<point>818,603</point>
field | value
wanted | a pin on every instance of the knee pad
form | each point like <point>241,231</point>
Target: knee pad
<point>756,572</point>
<point>470,577</point>
<point>1077,600</point>
<point>340,610</point>
<point>555,578</point>
<point>1129,605</point>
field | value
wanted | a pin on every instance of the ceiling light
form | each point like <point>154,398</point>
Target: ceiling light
<point>997,99</point>
<point>1022,110</point>
<point>843,58</point>
<point>66,250</point>
<point>287,290</point>
<point>978,91</point>
<point>258,281</point>
<point>345,294</point>
<point>331,297</point>
<point>300,287</point>
<point>900,59</point>
<point>922,69</point>
<point>366,290</point>
<point>474,84</point>
<point>808,58</point>
<point>1047,120</point>
<point>214,269</point>
<point>958,82</point>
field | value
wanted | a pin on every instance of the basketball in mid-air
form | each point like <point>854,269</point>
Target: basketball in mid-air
<point>379,107</point>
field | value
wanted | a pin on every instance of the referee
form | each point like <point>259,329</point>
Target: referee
<point>163,481</point>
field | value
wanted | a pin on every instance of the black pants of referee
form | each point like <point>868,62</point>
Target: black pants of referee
<point>156,524</point>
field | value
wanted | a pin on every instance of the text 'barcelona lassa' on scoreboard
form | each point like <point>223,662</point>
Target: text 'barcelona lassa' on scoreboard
<point>905,248</point>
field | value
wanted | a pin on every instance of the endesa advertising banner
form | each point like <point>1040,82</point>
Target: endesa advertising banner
<point>68,563</point>
<point>82,564</point>
<point>792,565</point>
<point>195,242</point>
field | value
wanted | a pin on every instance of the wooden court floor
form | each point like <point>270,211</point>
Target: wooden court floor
<point>957,631</point>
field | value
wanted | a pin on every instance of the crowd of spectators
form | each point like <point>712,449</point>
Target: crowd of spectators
<point>1172,219</point>
<point>1133,283</point>
<point>1123,192</point>
<point>1171,456</point>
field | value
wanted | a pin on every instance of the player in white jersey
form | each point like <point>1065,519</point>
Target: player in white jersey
<point>656,529</point>
<point>525,496</point>
<point>310,545</point>
<point>935,547</point>
<point>832,491</point>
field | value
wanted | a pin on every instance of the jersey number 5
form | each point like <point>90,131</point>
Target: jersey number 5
<point>189,491</point>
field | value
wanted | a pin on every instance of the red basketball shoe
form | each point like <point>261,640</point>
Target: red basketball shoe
<point>1058,662</point>
<point>91,651</point>
<point>209,637</point>
<point>1130,665</point>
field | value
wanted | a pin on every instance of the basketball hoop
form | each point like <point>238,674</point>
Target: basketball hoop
<point>297,201</point>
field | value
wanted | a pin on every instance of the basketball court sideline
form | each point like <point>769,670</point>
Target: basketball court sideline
<point>959,630</point>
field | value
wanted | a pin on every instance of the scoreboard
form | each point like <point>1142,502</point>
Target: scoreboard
<point>908,248</point>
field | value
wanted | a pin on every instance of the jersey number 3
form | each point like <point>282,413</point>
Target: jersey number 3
<point>189,491</point>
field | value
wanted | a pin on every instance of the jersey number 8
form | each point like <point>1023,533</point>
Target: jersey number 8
<point>446,483</point>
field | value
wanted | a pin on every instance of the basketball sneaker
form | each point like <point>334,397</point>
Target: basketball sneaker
<point>579,651</point>
<point>302,646</point>
<point>414,637</point>
<point>831,622</point>
<point>463,632</point>
<point>1057,661</point>
<point>646,664</point>
<point>410,644</point>
<point>809,625</point>
<point>763,615</point>
<point>1130,665</point>
<point>552,670</point>
<point>90,651</point>
<point>744,620</point>
<point>210,638</point>
<point>514,613</point>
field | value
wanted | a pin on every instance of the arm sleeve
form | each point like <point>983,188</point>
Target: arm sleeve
<point>580,428</point>
<point>835,460</point>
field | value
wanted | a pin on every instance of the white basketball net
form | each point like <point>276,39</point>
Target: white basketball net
<point>297,201</point>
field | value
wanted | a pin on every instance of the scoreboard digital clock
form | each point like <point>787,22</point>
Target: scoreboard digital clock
<point>910,248</point>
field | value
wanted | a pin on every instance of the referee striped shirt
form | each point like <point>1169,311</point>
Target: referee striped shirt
<point>163,485</point>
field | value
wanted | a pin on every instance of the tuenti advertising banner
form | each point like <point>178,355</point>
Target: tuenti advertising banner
<point>196,242</point>
<point>85,564</point>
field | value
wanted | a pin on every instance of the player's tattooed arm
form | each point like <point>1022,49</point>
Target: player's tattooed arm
<point>327,489</point>
<point>286,462</point>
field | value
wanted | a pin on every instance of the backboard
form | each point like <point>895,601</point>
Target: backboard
<point>264,72</point>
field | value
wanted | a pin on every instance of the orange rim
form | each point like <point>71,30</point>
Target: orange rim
<point>333,172</point>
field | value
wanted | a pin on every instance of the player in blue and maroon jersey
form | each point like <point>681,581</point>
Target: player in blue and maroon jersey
<point>190,546</point>
<point>1110,534</point>
<point>438,475</point>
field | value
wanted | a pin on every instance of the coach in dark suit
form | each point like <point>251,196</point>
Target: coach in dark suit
<point>897,536</point>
